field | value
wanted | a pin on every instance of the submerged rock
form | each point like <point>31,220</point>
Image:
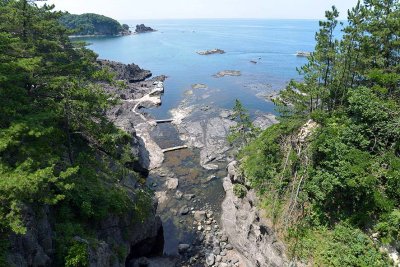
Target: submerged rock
<point>227,73</point>
<point>199,86</point>
<point>211,52</point>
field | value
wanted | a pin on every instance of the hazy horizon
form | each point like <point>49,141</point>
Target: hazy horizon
<point>206,9</point>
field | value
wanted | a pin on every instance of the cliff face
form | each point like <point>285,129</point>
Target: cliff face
<point>247,231</point>
<point>117,239</point>
<point>129,72</point>
<point>134,239</point>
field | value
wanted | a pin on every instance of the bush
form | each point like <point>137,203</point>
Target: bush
<point>77,255</point>
<point>341,246</point>
<point>239,190</point>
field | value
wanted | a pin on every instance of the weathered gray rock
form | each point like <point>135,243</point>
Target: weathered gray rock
<point>264,121</point>
<point>207,133</point>
<point>247,232</point>
<point>184,210</point>
<point>234,174</point>
<point>227,73</point>
<point>188,196</point>
<point>138,93</point>
<point>129,72</point>
<point>199,215</point>
<point>210,259</point>
<point>172,183</point>
<point>211,52</point>
<point>183,247</point>
<point>36,247</point>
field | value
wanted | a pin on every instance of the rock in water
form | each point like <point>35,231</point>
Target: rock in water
<point>211,51</point>
<point>184,210</point>
<point>172,183</point>
<point>227,73</point>
<point>183,247</point>
<point>199,215</point>
<point>141,28</point>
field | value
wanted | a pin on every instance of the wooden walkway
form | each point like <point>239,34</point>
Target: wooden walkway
<point>174,148</point>
<point>164,121</point>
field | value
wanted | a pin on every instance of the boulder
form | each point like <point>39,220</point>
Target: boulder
<point>184,210</point>
<point>183,248</point>
<point>172,183</point>
<point>210,259</point>
<point>199,215</point>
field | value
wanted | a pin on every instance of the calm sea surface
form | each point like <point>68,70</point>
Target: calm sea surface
<point>172,50</point>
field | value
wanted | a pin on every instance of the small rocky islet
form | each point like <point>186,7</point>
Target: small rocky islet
<point>141,28</point>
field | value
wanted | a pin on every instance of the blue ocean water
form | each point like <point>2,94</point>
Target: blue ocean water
<point>172,50</point>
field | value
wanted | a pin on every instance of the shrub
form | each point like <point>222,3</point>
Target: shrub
<point>239,190</point>
<point>77,255</point>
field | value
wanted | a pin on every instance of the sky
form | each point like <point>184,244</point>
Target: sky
<point>183,9</point>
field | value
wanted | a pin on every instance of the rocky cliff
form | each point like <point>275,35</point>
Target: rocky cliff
<point>117,240</point>
<point>248,232</point>
<point>134,239</point>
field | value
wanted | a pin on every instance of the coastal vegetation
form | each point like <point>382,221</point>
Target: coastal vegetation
<point>93,24</point>
<point>329,173</point>
<point>58,151</point>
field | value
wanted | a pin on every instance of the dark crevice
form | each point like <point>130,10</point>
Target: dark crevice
<point>150,247</point>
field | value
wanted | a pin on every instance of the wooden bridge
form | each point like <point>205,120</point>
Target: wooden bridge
<point>174,148</point>
<point>164,121</point>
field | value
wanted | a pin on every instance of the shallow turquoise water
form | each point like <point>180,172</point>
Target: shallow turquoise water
<point>172,51</point>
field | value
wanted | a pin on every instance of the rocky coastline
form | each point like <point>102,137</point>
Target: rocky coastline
<point>222,237</point>
<point>220,240</point>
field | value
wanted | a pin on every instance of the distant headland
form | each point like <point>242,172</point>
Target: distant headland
<point>90,24</point>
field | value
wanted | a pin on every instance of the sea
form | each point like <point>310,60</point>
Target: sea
<point>264,51</point>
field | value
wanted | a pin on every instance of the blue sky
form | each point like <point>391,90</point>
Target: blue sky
<point>180,9</point>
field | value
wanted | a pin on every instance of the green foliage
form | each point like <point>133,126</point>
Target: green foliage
<point>261,159</point>
<point>341,246</point>
<point>345,177</point>
<point>77,255</point>
<point>244,131</point>
<point>57,147</point>
<point>239,190</point>
<point>388,228</point>
<point>92,24</point>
